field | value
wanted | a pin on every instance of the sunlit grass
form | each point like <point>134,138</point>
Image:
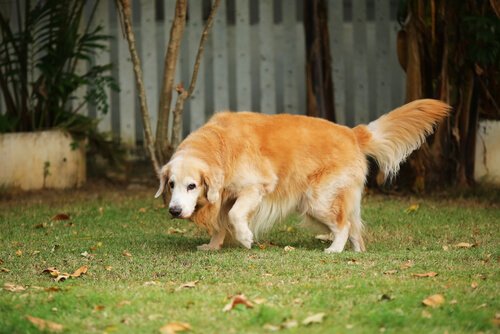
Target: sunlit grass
<point>367,292</point>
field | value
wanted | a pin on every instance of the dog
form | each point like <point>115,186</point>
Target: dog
<point>243,171</point>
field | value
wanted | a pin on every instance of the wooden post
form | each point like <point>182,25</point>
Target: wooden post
<point>320,99</point>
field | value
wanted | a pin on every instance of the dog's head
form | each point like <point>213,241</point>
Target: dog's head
<point>190,183</point>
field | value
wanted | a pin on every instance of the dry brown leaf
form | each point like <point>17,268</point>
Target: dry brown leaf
<point>290,324</point>
<point>13,287</point>
<point>108,268</point>
<point>446,248</point>
<point>236,300</point>
<point>52,289</point>
<point>98,308</point>
<point>412,208</point>
<point>474,285</point>
<point>314,319</point>
<point>61,216</point>
<point>429,274</point>
<point>19,252</point>
<point>187,285</point>
<point>390,272</point>
<point>4,270</point>
<point>175,327</point>
<point>464,245</point>
<point>52,271</point>
<point>43,325</point>
<point>259,301</point>
<point>289,248</point>
<point>434,300</point>
<point>123,303</point>
<point>271,327</point>
<point>426,314</point>
<point>62,277</point>
<point>80,271</point>
<point>173,230</point>
<point>126,253</point>
<point>143,210</point>
<point>406,265</point>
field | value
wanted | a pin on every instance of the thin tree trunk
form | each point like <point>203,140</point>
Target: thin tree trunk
<point>126,19</point>
<point>163,147</point>
<point>319,83</point>
<point>184,94</point>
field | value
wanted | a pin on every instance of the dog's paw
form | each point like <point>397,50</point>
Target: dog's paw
<point>245,238</point>
<point>208,247</point>
<point>330,250</point>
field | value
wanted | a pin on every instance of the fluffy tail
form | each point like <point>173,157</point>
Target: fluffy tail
<point>392,137</point>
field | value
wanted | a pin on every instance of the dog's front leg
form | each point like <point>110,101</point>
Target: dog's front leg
<point>247,202</point>
<point>216,241</point>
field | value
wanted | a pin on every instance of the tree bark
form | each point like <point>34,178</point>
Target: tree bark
<point>319,83</point>
<point>163,146</point>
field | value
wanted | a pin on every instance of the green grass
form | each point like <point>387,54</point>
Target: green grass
<point>347,287</point>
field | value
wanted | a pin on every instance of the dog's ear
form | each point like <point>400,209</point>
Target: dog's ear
<point>214,181</point>
<point>163,180</point>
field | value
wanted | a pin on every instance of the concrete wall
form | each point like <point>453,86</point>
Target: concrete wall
<point>36,160</point>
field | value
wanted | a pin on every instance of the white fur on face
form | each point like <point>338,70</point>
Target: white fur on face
<point>183,177</point>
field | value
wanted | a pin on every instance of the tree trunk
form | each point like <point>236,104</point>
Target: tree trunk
<point>320,95</point>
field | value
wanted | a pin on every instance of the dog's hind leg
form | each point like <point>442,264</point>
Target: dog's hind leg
<point>246,203</point>
<point>356,231</point>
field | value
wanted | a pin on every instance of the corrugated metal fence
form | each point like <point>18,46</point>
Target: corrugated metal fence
<point>254,60</point>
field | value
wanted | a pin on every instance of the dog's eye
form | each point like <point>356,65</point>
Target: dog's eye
<point>191,186</point>
<point>171,184</point>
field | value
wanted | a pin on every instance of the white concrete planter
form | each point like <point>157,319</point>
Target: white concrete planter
<point>36,160</point>
<point>487,160</point>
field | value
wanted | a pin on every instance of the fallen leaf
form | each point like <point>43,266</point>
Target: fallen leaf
<point>385,297</point>
<point>126,253</point>
<point>406,265</point>
<point>434,300</point>
<point>173,230</point>
<point>150,283</point>
<point>19,252</point>
<point>325,237</point>
<point>390,272</point>
<point>80,271</point>
<point>289,248</point>
<point>85,254</point>
<point>464,245</point>
<point>142,210</point>
<point>175,327</point>
<point>314,319</point>
<point>13,287</point>
<point>259,301</point>
<point>496,319</point>
<point>426,314</point>
<point>271,328</point>
<point>43,325</point>
<point>61,216</point>
<point>4,270</point>
<point>1,261</point>
<point>429,274</point>
<point>108,268</point>
<point>101,210</point>
<point>445,248</point>
<point>412,208</point>
<point>35,253</point>
<point>187,285</point>
<point>52,271</point>
<point>290,324</point>
<point>474,285</point>
<point>98,308</point>
<point>62,277</point>
<point>41,225</point>
<point>52,289</point>
<point>123,303</point>
<point>236,300</point>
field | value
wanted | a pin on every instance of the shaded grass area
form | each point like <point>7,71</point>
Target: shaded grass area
<point>359,293</point>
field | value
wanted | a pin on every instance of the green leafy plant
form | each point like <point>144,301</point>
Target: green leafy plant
<point>38,62</point>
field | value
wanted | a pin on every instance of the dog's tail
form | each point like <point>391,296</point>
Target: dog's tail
<point>392,137</point>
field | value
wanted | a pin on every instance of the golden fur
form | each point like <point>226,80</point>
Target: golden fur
<point>254,169</point>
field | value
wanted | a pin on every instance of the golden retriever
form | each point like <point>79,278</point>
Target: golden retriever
<point>242,171</point>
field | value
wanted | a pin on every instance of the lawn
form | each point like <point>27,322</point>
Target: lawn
<point>138,261</point>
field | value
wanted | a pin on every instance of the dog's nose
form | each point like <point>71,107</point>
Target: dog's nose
<point>175,211</point>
